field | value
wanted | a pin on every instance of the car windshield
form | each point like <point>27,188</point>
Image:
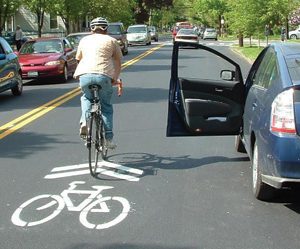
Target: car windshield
<point>186,32</point>
<point>75,39</point>
<point>114,30</point>
<point>136,30</point>
<point>152,29</point>
<point>37,47</point>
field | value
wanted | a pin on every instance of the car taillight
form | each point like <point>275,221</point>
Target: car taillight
<point>282,114</point>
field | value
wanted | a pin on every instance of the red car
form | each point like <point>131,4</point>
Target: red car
<point>47,58</point>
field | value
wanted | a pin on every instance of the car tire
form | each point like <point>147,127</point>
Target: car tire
<point>261,190</point>
<point>64,77</point>
<point>239,145</point>
<point>18,89</point>
<point>293,37</point>
<point>125,50</point>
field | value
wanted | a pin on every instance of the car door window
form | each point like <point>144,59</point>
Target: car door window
<point>267,72</point>
<point>67,44</point>
<point>201,102</point>
<point>6,48</point>
<point>1,49</point>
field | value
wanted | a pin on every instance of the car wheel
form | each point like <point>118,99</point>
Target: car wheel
<point>125,50</point>
<point>18,89</point>
<point>64,76</point>
<point>239,146</point>
<point>261,190</point>
<point>293,37</point>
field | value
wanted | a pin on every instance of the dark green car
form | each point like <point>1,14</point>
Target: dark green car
<point>10,70</point>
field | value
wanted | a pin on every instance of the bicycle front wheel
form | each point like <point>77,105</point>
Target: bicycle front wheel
<point>93,142</point>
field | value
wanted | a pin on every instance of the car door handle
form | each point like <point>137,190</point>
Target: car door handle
<point>219,90</point>
<point>254,105</point>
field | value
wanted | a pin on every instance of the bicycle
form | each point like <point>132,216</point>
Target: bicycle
<point>95,139</point>
<point>46,207</point>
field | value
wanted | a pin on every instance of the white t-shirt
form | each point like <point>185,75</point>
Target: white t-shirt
<point>96,53</point>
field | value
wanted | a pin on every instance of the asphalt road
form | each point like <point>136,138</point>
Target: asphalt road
<point>156,192</point>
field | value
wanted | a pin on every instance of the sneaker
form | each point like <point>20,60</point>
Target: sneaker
<point>110,144</point>
<point>83,130</point>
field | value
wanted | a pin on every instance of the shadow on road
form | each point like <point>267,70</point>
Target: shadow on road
<point>149,163</point>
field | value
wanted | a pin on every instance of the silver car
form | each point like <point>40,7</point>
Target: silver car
<point>153,33</point>
<point>210,33</point>
<point>138,34</point>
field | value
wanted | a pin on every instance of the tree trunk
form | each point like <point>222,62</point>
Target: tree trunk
<point>241,40</point>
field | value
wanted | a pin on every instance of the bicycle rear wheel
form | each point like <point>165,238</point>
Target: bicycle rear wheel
<point>103,146</point>
<point>93,143</point>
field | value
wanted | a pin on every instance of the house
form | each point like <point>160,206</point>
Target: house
<point>53,24</point>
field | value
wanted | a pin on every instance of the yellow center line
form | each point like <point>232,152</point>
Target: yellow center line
<point>28,117</point>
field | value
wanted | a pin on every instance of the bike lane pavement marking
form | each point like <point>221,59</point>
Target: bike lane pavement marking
<point>105,168</point>
<point>30,116</point>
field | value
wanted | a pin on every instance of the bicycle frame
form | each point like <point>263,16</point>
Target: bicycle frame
<point>72,190</point>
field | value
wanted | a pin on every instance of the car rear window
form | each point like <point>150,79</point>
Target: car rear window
<point>114,30</point>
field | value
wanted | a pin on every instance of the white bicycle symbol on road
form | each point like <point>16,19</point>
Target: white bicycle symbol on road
<point>86,207</point>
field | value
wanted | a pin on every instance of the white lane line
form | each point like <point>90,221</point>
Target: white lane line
<point>124,168</point>
<point>67,174</point>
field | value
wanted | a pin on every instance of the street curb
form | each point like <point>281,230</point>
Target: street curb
<point>241,55</point>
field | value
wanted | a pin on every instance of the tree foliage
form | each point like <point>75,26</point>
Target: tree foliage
<point>143,8</point>
<point>39,7</point>
<point>8,8</point>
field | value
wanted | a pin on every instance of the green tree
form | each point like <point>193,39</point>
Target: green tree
<point>253,15</point>
<point>210,12</point>
<point>8,8</point>
<point>39,7</point>
<point>143,8</point>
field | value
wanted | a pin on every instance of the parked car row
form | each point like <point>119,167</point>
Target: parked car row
<point>53,57</point>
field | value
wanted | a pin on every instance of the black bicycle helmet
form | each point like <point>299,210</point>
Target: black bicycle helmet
<point>99,23</point>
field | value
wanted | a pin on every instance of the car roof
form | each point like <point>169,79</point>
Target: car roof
<point>45,38</point>
<point>79,33</point>
<point>288,49</point>
<point>115,23</point>
<point>138,25</point>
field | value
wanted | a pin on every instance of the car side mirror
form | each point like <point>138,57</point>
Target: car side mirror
<point>227,75</point>
<point>2,56</point>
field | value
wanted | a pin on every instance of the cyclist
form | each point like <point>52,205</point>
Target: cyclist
<point>99,57</point>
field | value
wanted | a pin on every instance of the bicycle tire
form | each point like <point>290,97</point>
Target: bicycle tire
<point>54,200</point>
<point>103,146</point>
<point>125,208</point>
<point>93,143</point>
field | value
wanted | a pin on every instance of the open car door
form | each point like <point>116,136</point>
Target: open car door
<point>206,94</point>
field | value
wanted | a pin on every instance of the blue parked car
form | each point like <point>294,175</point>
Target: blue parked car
<point>10,70</point>
<point>263,112</point>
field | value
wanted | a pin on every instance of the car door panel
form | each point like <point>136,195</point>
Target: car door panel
<point>204,107</point>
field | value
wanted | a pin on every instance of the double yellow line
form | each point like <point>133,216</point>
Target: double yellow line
<point>23,120</point>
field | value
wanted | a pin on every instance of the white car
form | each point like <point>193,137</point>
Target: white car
<point>210,33</point>
<point>187,35</point>
<point>138,34</point>
<point>294,34</point>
